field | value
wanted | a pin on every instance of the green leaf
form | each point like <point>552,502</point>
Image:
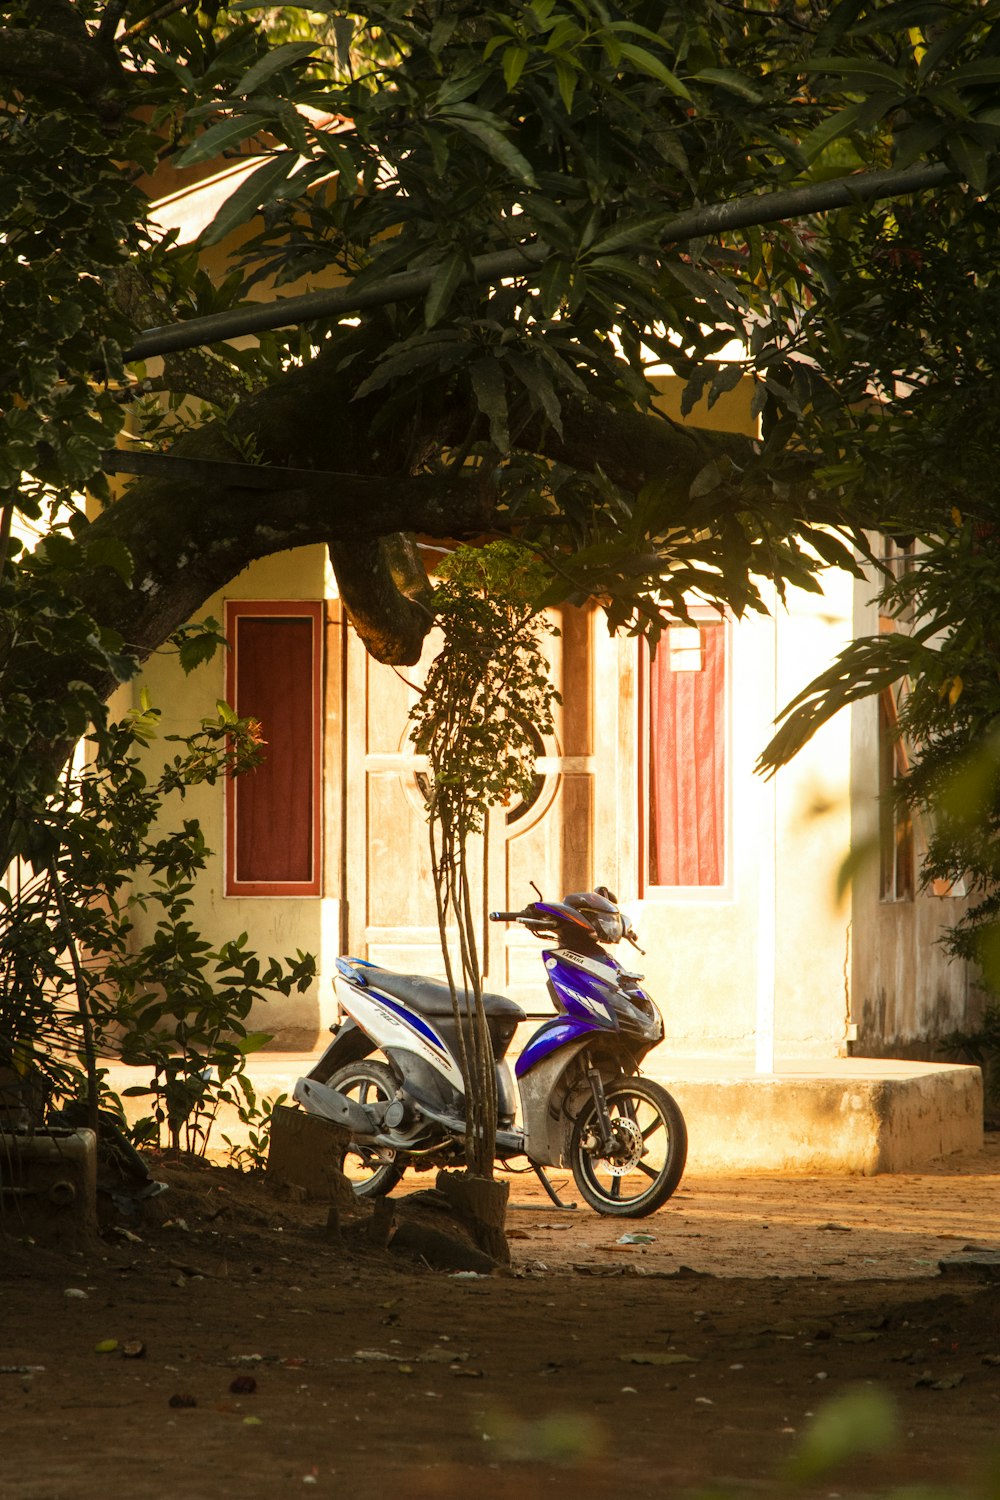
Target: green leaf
<point>860,67</point>
<point>971,159</point>
<point>831,129</point>
<point>851,1426</point>
<point>514,60</point>
<point>326,7</point>
<point>196,649</point>
<point>259,188</point>
<point>727,379</point>
<point>404,359</point>
<point>648,63</point>
<point>857,859</point>
<point>253,1041</point>
<point>483,129</point>
<point>455,90</point>
<point>734,82</point>
<point>447,278</point>
<point>554,284</point>
<point>629,232</point>
<point>491,398</point>
<point>980,70</point>
<point>219,138</point>
<point>539,386</point>
<point>109,552</point>
<point>567,78</point>
<point>628,273</point>
<point>709,478</point>
<point>272,62</point>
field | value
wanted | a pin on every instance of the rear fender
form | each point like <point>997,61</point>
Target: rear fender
<point>349,1045</point>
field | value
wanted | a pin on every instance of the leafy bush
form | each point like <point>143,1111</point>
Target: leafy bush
<point>74,980</point>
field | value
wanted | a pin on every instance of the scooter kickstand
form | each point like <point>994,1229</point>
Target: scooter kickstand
<point>546,1184</point>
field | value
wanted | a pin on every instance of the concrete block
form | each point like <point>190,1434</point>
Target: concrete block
<point>48,1185</point>
<point>888,1117</point>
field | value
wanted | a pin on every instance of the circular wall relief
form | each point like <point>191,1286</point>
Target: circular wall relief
<point>518,808</point>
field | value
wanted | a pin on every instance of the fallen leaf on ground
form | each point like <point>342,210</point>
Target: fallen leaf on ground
<point>658,1359</point>
<point>946,1382</point>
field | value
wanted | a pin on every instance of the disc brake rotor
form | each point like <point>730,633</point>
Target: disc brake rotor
<point>630,1149</point>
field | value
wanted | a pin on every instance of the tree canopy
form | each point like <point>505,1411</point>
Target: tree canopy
<point>532,209</point>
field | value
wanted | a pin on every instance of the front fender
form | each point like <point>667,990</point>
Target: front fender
<point>544,1119</point>
<point>349,1045</point>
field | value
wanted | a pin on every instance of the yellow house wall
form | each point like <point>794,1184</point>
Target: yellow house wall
<point>709,956</point>
<point>274,925</point>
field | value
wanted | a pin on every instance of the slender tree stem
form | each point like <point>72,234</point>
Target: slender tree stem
<point>80,983</point>
<point>6,522</point>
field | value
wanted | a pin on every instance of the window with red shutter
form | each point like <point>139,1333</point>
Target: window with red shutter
<point>685,742</point>
<point>273,812</point>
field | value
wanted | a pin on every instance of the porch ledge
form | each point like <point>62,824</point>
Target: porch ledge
<point>851,1115</point>
<point>848,1116</point>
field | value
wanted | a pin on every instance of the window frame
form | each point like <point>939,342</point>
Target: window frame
<point>897,826</point>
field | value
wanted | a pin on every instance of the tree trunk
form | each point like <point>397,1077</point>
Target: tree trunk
<point>481,1204</point>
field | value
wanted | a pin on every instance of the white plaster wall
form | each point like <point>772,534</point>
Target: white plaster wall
<point>710,956</point>
<point>906,992</point>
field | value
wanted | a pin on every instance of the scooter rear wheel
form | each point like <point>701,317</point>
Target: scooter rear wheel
<point>372,1171</point>
<point>646,1160</point>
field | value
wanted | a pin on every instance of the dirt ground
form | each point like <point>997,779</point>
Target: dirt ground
<point>229,1344</point>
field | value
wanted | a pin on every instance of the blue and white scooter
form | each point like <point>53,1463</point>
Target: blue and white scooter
<point>392,1075</point>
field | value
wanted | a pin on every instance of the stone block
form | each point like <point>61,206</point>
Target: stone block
<point>307,1152</point>
<point>48,1186</point>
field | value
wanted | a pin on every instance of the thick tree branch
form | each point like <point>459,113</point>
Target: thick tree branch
<point>391,624</point>
<point>170,8</point>
<point>187,541</point>
<point>36,58</point>
<point>406,286</point>
<point>632,448</point>
<point>193,372</point>
<point>108,26</point>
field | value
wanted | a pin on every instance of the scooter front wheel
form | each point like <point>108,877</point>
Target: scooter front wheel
<point>640,1168</point>
<point>372,1171</point>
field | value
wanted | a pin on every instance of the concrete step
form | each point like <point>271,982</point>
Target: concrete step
<point>809,1117</point>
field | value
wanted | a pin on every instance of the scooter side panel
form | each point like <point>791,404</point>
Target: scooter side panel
<point>390,1024</point>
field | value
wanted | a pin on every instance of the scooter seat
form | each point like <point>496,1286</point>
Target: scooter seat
<point>428,997</point>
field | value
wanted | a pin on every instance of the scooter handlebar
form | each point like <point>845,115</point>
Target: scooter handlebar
<point>506,916</point>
